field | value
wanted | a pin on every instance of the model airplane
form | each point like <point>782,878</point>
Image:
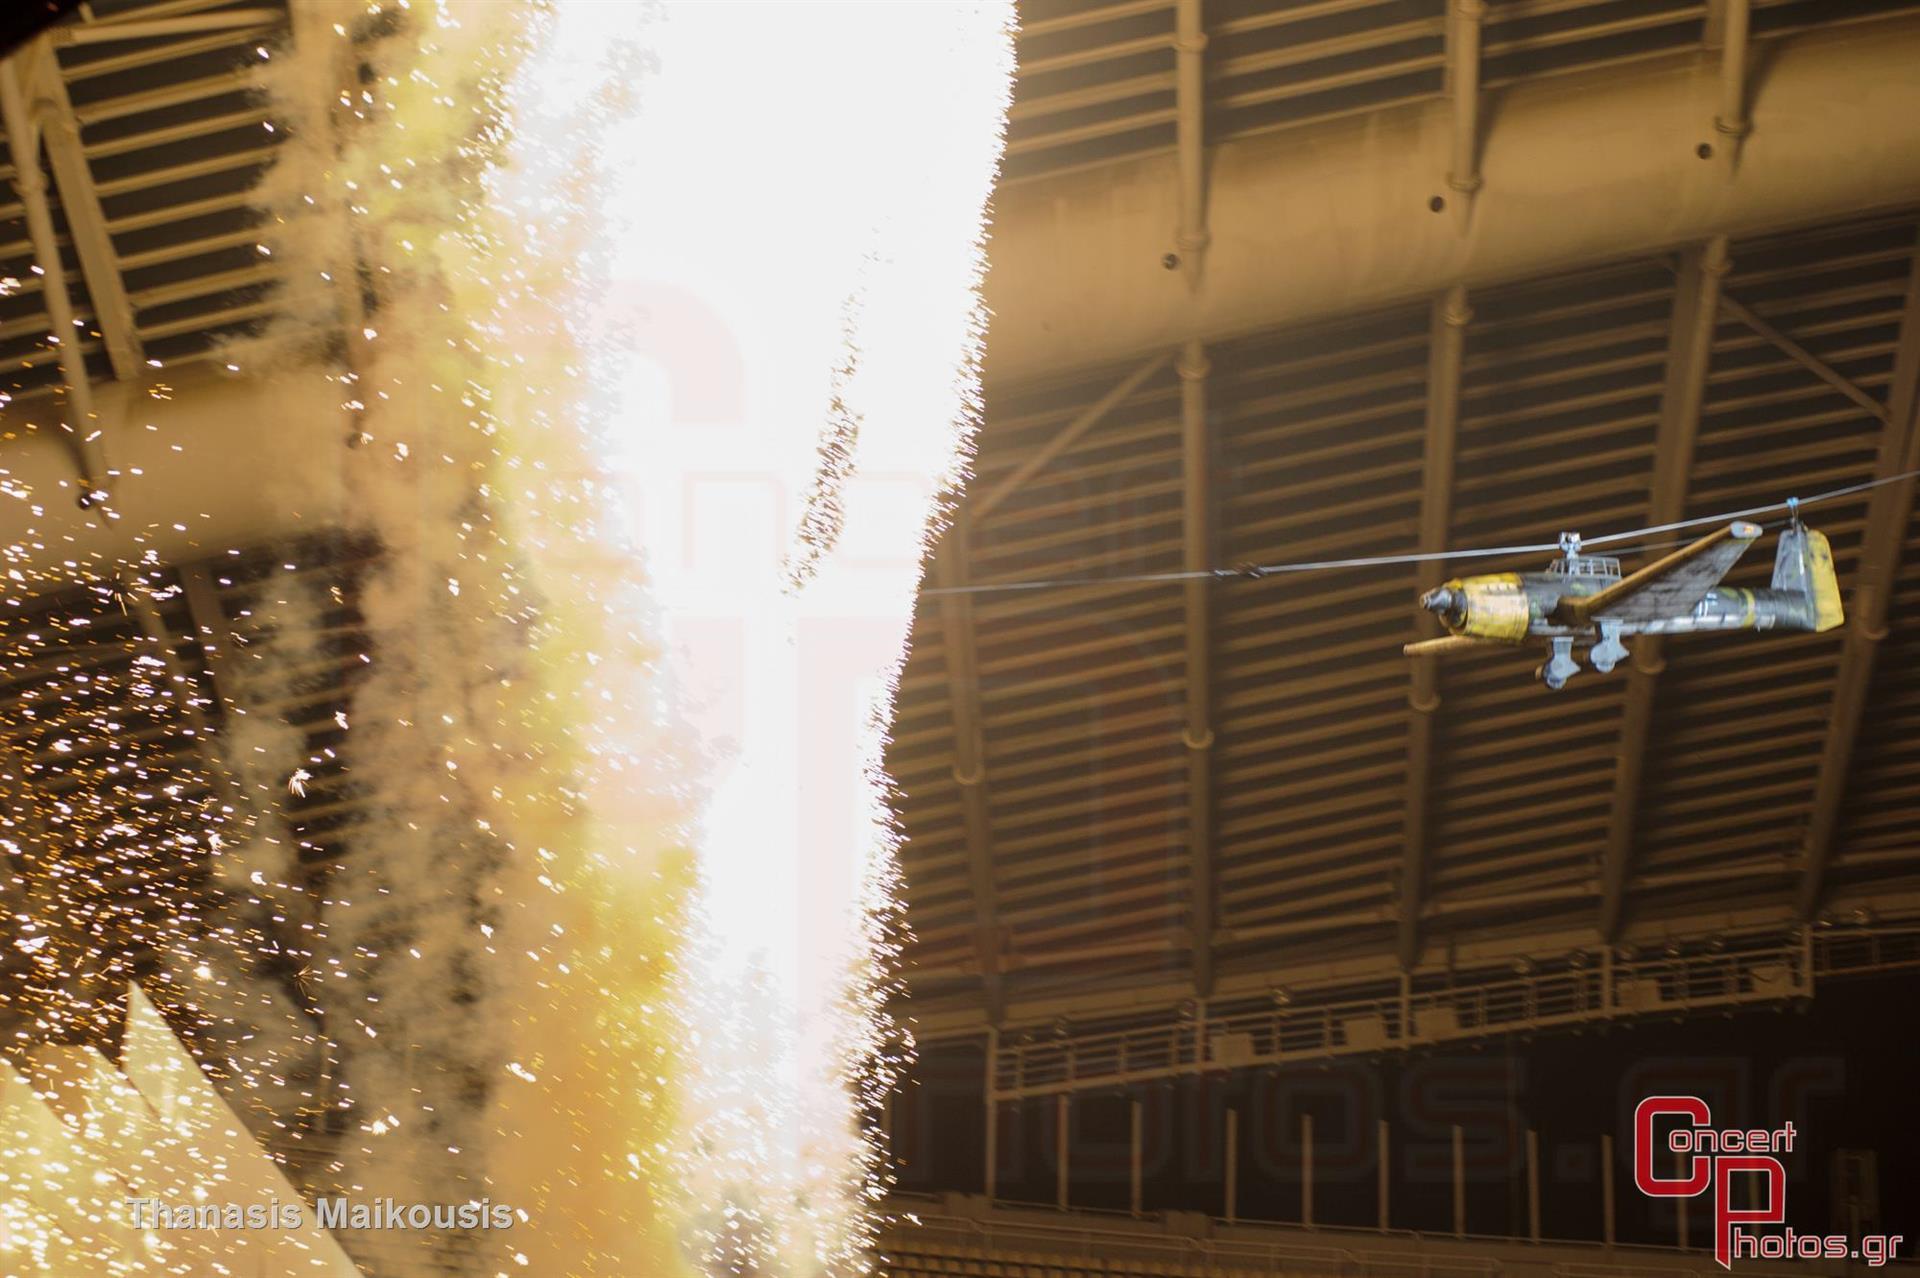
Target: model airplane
<point>1583,599</point>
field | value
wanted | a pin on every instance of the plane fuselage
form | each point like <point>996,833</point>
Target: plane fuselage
<point>1516,607</point>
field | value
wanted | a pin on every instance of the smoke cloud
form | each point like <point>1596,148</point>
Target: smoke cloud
<point>661,349</point>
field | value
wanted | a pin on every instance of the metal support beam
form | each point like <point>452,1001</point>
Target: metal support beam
<point>1233,1166</point>
<point>1533,1184</point>
<point>1696,308</point>
<point>992,1116</point>
<point>99,32</point>
<point>312,23</point>
<point>969,757</point>
<point>1089,417</point>
<point>51,112</point>
<point>1463,92</point>
<point>1198,736</point>
<point>1062,1149</point>
<point>1805,358</point>
<point>1306,1170</point>
<point>1135,1165</point>
<point>1889,512</point>
<point>1729,23</point>
<point>1013,960</point>
<point>82,422</point>
<point>294,485</point>
<point>1446,355</point>
<point>1331,218</point>
<point>1190,105</point>
<point>185,693</point>
<point>211,629</point>
<point>1383,1191</point>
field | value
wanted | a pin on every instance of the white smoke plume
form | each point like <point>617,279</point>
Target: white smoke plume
<point>663,325</point>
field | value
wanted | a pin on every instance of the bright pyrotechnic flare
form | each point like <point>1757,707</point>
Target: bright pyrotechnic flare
<point>664,350</point>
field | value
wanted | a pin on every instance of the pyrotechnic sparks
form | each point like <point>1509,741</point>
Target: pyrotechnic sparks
<point>771,399</point>
<point>659,347</point>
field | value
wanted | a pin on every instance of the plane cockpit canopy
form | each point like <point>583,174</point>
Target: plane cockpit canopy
<point>1586,566</point>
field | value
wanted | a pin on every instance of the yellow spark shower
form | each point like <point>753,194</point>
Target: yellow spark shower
<point>664,358</point>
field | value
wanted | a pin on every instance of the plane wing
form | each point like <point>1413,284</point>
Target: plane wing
<point>1451,646</point>
<point>1667,587</point>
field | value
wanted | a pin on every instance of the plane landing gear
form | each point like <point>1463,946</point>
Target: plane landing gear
<point>1609,652</point>
<point>1560,666</point>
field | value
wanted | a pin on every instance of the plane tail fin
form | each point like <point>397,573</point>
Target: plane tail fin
<point>1803,564</point>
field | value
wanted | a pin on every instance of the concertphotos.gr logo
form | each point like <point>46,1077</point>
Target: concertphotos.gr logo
<point>1710,1157</point>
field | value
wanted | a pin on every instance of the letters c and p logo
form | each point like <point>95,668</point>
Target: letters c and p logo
<point>1701,1170</point>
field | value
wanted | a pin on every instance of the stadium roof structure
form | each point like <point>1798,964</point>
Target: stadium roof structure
<point>1284,283</point>
<point>1271,281</point>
